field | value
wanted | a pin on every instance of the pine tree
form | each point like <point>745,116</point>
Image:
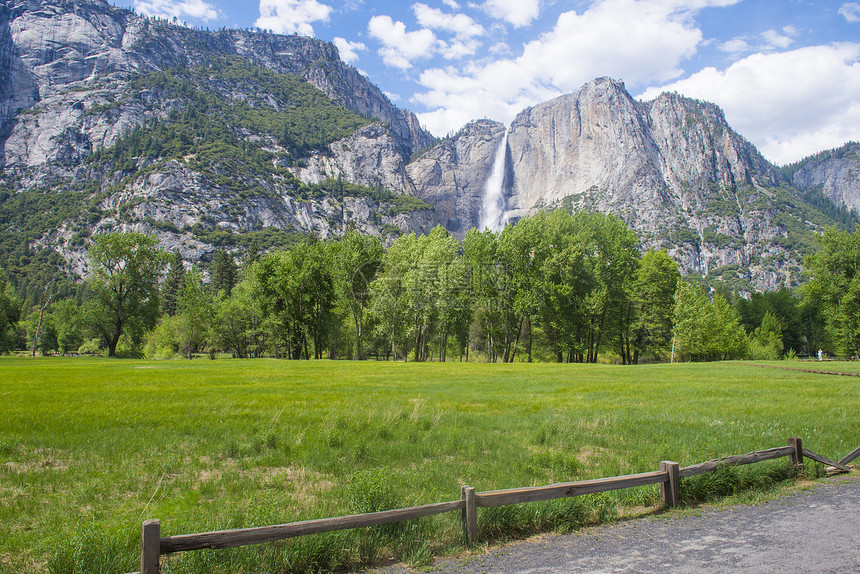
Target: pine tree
<point>223,272</point>
<point>172,286</point>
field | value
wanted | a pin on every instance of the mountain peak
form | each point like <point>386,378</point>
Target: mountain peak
<point>202,137</point>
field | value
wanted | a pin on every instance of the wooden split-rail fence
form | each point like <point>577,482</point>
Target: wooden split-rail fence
<point>669,476</point>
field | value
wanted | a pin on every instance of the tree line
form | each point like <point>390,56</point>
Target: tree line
<point>552,287</point>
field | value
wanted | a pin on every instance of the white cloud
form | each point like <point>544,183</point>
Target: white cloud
<point>292,16</point>
<point>776,40</point>
<point>850,11</point>
<point>519,13</point>
<point>635,41</point>
<point>399,47</point>
<point>464,29</point>
<point>197,9</point>
<point>458,49</point>
<point>789,104</point>
<point>767,41</point>
<point>451,4</point>
<point>458,24</point>
<point>734,46</point>
<point>348,50</point>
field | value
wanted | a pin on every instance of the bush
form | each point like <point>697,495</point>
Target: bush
<point>163,341</point>
<point>91,347</point>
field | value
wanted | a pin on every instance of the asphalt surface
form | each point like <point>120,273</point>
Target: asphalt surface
<point>810,530</point>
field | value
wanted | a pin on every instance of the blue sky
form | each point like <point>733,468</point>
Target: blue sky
<point>786,72</point>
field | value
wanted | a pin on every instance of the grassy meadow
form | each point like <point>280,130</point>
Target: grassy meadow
<point>91,447</point>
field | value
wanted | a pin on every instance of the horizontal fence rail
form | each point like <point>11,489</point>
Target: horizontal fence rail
<point>153,545</point>
<point>737,460</point>
<point>850,457</point>
<point>566,489</point>
<point>824,460</point>
<point>259,535</point>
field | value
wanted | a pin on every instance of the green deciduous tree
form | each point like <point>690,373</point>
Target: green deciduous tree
<point>237,324</point>
<point>798,324</point>
<point>70,331</point>
<point>296,288</point>
<point>194,311</point>
<point>491,294</point>
<point>766,343</point>
<point>357,260</point>
<point>654,296</point>
<point>392,294</point>
<point>706,330</point>
<point>42,332</point>
<point>123,282</point>
<point>10,312</point>
<point>835,287</point>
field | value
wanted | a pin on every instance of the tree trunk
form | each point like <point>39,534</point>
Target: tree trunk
<point>529,323</point>
<point>357,318</point>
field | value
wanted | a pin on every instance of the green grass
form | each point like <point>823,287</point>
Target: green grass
<point>89,448</point>
<point>832,366</point>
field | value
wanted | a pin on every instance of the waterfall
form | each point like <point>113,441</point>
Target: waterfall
<point>493,206</point>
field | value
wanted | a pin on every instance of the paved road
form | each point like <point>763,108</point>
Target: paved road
<point>816,530</point>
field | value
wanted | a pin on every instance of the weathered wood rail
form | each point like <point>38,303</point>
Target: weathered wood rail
<point>153,545</point>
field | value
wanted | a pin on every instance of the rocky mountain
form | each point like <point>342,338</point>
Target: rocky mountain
<point>205,138</point>
<point>234,138</point>
<point>672,168</point>
<point>452,176</point>
<point>834,173</point>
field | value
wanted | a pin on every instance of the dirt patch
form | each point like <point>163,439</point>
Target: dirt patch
<point>814,371</point>
<point>588,454</point>
<point>46,464</point>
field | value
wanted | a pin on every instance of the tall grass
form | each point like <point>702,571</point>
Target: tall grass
<point>92,447</point>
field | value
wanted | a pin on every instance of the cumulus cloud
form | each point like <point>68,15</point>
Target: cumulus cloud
<point>734,46</point>
<point>776,40</point>
<point>464,29</point>
<point>348,50</point>
<point>197,9</point>
<point>850,11</point>
<point>292,16</point>
<point>766,41</point>
<point>399,47</point>
<point>640,42</point>
<point>460,25</point>
<point>789,104</point>
<point>519,13</point>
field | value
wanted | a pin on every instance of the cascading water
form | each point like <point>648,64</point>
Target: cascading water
<point>493,206</point>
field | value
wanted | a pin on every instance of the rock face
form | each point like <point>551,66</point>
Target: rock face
<point>659,165</point>
<point>60,47</point>
<point>672,168</point>
<point>371,157</point>
<point>66,67</point>
<point>836,174</point>
<point>452,175</point>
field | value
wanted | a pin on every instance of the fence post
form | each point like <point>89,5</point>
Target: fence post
<point>797,456</point>
<point>670,490</point>
<point>470,514</point>
<point>150,552</point>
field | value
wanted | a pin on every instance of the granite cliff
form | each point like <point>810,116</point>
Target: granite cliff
<point>833,173</point>
<point>672,168</point>
<point>84,82</point>
<point>109,120</point>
